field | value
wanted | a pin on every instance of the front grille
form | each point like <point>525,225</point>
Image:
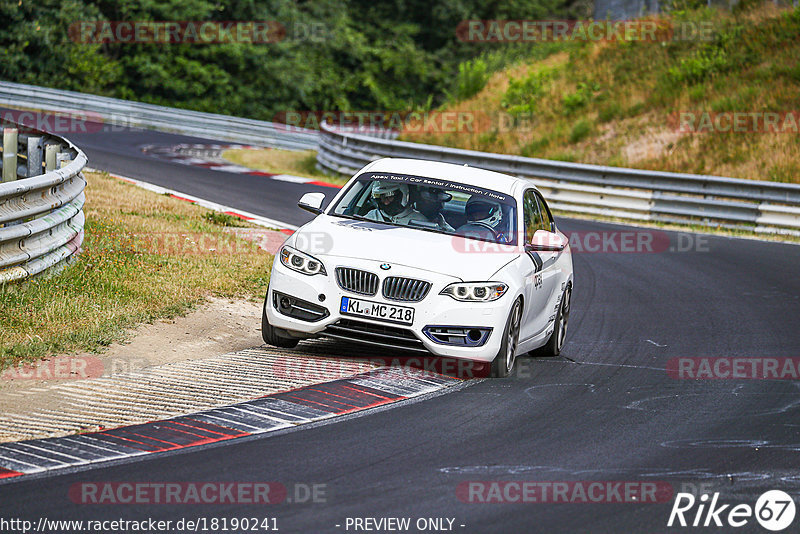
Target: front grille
<point>405,289</point>
<point>374,334</point>
<point>357,281</point>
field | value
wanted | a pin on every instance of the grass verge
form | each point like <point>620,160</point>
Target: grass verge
<point>296,162</point>
<point>663,104</point>
<point>145,257</point>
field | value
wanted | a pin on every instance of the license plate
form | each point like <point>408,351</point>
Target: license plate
<point>375,310</point>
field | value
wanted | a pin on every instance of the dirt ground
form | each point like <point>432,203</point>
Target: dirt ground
<point>217,327</point>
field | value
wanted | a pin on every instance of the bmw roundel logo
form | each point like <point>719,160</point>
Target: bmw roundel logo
<point>385,266</point>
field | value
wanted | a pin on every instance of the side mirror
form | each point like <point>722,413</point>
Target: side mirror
<point>312,202</point>
<point>543,240</point>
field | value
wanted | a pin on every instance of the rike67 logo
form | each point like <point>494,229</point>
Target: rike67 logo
<point>774,510</point>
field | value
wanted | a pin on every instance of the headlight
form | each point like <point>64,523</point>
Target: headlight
<point>475,291</point>
<point>301,262</point>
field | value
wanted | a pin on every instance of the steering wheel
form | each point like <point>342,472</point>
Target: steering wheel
<point>479,224</point>
<point>368,206</point>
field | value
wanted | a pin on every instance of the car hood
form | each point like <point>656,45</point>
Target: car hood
<point>467,259</point>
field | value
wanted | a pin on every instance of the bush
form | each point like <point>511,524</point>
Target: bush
<point>520,97</point>
<point>582,96</point>
<point>472,77</point>
<point>609,112</point>
<point>580,131</point>
<point>700,66</point>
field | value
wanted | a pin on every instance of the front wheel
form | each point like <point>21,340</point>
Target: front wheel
<point>503,363</point>
<point>556,341</point>
<point>271,337</point>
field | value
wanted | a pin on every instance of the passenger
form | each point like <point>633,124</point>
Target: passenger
<point>429,202</point>
<point>484,219</point>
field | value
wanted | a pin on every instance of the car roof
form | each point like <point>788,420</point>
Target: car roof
<point>449,171</point>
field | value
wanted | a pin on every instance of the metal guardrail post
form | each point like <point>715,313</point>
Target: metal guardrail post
<point>9,154</point>
<point>62,160</point>
<point>50,153</point>
<point>34,156</point>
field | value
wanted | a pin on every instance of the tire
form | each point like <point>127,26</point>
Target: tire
<point>556,341</point>
<point>271,337</point>
<point>503,363</point>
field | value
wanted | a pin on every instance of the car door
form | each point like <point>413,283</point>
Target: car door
<point>551,274</point>
<point>534,320</point>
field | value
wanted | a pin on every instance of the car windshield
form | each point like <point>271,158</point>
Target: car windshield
<point>430,204</point>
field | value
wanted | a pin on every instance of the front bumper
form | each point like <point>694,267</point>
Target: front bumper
<point>434,310</point>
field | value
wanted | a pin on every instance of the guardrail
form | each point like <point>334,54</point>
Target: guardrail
<point>758,206</point>
<point>139,115</point>
<point>41,202</point>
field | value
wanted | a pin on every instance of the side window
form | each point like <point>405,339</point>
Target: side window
<point>533,219</point>
<point>365,203</point>
<point>354,199</point>
<point>547,218</point>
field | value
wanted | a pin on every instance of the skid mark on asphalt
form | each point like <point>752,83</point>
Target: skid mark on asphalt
<point>307,404</point>
<point>578,362</point>
<point>754,444</point>
<point>598,472</point>
<point>531,391</point>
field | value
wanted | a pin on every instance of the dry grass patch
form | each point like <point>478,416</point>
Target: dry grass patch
<point>274,160</point>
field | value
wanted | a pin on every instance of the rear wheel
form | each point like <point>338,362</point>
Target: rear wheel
<point>503,363</point>
<point>270,336</point>
<point>556,342</point>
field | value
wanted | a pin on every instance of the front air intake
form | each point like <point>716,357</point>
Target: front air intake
<point>298,308</point>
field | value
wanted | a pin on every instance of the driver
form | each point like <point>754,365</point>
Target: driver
<point>393,202</point>
<point>429,202</point>
<point>483,217</point>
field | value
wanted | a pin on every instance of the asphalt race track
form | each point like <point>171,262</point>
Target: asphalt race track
<point>119,151</point>
<point>606,411</point>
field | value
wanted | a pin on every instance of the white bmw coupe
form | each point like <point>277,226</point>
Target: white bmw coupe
<point>436,258</point>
